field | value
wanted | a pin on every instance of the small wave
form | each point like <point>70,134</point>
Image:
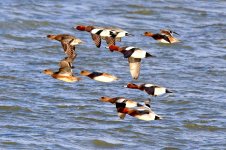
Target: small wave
<point>186,9</point>
<point>170,148</point>
<point>210,25</point>
<point>141,12</point>
<point>135,6</point>
<point>181,102</point>
<point>201,127</point>
<point>14,108</point>
<point>15,37</point>
<point>8,77</point>
<point>9,143</point>
<point>15,127</point>
<point>224,57</point>
<point>71,105</point>
<point>101,143</point>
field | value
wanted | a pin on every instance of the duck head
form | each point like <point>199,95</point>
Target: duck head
<point>131,86</point>
<point>80,28</point>
<point>85,28</point>
<point>56,37</point>
<point>48,72</point>
<point>51,36</point>
<point>84,72</point>
<point>148,34</point>
<point>109,99</point>
<point>113,48</point>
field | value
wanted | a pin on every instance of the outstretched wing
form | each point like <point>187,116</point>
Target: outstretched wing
<point>69,50</point>
<point>110,41</point>
<point>166,38</point>
<point>150,90</point>
<point>97,39</point>
<point>66,66</point>
<point>118,39</point>
<point>67,62</point>
<point>66,71</point>
<point>134,66</point>
<point>167,32</point>
<point>161,36</point>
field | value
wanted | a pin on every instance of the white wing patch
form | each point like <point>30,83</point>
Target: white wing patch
<point>139,54</point>
<point>74,42</point>
<point>160,91</point>
<point>163,41</point>
<point>105,33</point>
<point>122,34</point>
<point>94,31</point>
<point>121,100</point>
<point>105,79</point>
<point>146,117</point>
<point>131,104</point>
<point>149,85</point>
<point>129,48</point>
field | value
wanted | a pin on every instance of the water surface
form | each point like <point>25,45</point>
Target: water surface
<point>38,112</point>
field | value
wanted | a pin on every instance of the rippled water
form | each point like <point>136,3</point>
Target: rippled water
<point>38,112</point>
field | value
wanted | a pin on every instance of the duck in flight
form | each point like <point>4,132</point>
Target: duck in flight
<point>68,42</point>
<point>169,34</point>
<point>99,76</point>
<point>126,106</point>
<point>150,89</point>
<point>134,56</point>
<point>158,36</point>
<point>165,36</point>
<point>143,112</point>
<point>65,72</point>
<point>109,34</point>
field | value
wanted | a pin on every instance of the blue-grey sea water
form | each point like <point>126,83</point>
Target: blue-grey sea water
<point>39,112</point>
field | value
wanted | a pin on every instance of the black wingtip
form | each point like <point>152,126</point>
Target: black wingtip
<point>149,55</point>
<point>129,34</point>
<point>168,91</point>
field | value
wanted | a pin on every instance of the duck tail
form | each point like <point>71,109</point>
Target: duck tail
<point>158,117</point>
<point>149,55</point>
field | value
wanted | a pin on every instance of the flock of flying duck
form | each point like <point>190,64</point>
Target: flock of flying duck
<point>112,35</point>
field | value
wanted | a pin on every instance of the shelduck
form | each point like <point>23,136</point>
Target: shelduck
<point>134,56</point>
<point>150,89</point>
<point>159,37</point>
<point>110,34</point>
<point>141,112</point>
<point>99,76</point>
<point>169,34</point>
